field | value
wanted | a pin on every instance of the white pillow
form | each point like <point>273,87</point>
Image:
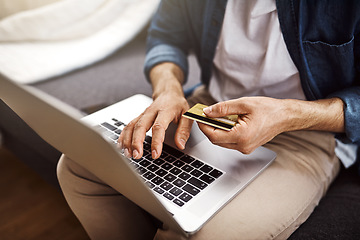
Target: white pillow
<point>64,35</point>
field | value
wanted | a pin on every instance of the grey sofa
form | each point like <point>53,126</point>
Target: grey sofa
<point>120,76</point>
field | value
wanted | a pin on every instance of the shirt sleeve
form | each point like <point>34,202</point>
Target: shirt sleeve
<point>351,99</point>
<point>167,39</point>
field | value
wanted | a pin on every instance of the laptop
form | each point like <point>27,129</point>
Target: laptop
<point>183,189</point>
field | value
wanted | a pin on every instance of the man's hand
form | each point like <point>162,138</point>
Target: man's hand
<point>260,119</point>
<point>168,106</point>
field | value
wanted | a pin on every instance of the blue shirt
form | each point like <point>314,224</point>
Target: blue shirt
<point>322,37</point>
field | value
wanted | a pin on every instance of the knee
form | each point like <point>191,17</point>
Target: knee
<point>69,174</point>
<point>63,170</point>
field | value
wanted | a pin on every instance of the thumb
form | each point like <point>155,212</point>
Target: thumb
<point>183,132</point>
<point>221,109</point>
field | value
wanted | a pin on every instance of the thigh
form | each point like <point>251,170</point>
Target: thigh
<point>283,196</point>
<point>103,212</point>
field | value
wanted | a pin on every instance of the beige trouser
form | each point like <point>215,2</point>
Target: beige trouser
<point>272,206</point>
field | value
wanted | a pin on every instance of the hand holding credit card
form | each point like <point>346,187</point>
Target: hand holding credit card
<point>196,113</point>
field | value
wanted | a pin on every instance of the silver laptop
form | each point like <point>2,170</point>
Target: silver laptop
<point>183,189</point>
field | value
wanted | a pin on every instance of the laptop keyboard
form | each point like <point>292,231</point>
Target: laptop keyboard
<point>176,176</point>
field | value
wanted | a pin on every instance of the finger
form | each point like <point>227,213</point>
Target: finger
<point>159,127</point>
<point>225,108</point>
<point>217,135</point>
<point>226,139</point>
<point>125,138</point>
<point>132,136</point>
<point>140,128</point>
<point>183,132</point>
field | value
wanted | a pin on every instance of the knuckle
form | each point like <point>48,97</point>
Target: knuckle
<point>131,124</point>
<point>184,133</point>
<point>138,126</point>
<point>223,108</point>
<point>158,127</point>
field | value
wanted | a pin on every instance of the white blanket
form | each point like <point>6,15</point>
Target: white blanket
<point>53,37</point>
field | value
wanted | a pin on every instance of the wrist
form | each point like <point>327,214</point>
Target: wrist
<point>166,78</point>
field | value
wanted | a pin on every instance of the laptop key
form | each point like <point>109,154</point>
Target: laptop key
<point>196,173</point>
<point>109,126</point>
<point>113,136</point>
<point>166,166</point>
<point>206,168</point>
<point>149,175</point>
<point>119,123</point>
<point>190,189</point>
<point>147,146</point>
<point>146,153</point>
<point>170,177</point>
<point>150,184</point>
<point>215,173</point>
<point>187,168</point>
<point>148,156</point>
<point>135,164</point>
<point>197,183</point>
<point>179,183</point>
<point>166,186</point>
<point>144,163</point>
<point>158,161</point>
<point>169,196</point>
<point>178,202</point>
<point>176,191</point>
<point>148,139</point>
<point>137,160</point>
<point>184,176</point>
<point>153,167</point>
<point>158,190</point>
<point>172,151</point>
<point>185,197</point>
<point>187,159</point>
<point>157,180</point>
<point>206,178</point>
<point>170,159</point>
<point>197,164</point>
<point>179,163</point>
<point>141,170</point>
<point>163,155</point>
<point>161,172</point>
<point>175,171</point>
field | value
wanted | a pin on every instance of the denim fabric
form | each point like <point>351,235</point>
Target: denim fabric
<point>322,37</point>
<point>189,26</point>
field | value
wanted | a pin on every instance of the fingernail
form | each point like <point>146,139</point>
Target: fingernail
<point>182,143</point>
<point>127,153</point>
<point>207,110</point>
<point>119,145</point>
<point>154,154</point>
<point>135,154</point>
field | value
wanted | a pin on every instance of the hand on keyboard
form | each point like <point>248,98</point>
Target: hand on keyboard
<point>165,109</point>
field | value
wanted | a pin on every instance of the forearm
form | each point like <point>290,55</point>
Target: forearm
<point>166,77</point>
<point>321,115</point>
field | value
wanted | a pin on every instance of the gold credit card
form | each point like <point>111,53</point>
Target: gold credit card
<point>196,113</point>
